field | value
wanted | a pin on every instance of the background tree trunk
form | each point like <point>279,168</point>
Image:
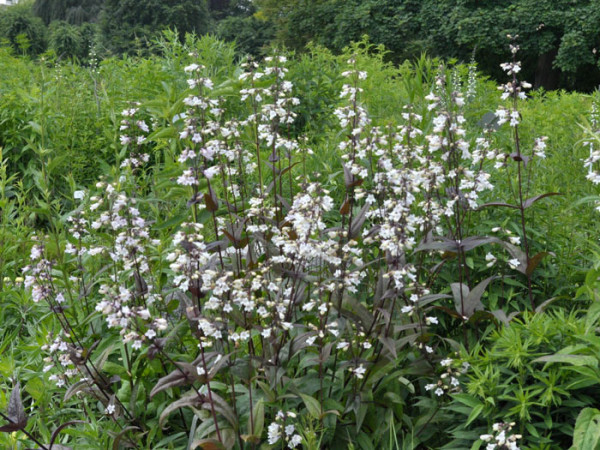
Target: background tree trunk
<point>545,75</point>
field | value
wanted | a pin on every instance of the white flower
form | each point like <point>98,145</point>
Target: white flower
<point>359,371</point>
<point>446,362</point>
<point>150,334</point>
<point>78,195</point>
<point>273,433</point>
<point>191,68</point>
<point>295,441</point>
<point>514,263</point>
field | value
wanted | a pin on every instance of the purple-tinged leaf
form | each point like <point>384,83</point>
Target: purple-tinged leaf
<point>427,299</point>
<point>501,316</point>
<point>59,429</point>
<point>211,201</point>
<point>16,412</point>
<point>534,262</point>
<point>358,222</point>
<point>390,345</point>
<point>121,435</point>
<point>222,407</point>
<point>542,307</point>
<point>460,291</point>
<point>186,374</point>
<point>190,399</point>
<point>506,205</point>
<point>472,242</point>
<point>207,444</point>
<point>530,201</point>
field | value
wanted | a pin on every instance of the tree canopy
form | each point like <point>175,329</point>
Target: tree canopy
<point>126,21</point>
<point>558,38</point>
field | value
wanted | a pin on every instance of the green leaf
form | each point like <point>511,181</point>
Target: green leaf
<point>313,406</point>
<point>258,413</point>
<point>474,414</point>
<point>576,360</point>
<point>468,400</point>
<point>587,430</point>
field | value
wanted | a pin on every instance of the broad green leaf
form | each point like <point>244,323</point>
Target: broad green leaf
<point>587,430</point>
<point>312,404</point>
<point>576,360</point>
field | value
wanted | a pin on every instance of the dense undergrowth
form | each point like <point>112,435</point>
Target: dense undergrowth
<point>319,251</point>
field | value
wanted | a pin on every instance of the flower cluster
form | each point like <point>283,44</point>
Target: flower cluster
<point>134,131</point>
<point>448,381</point>
<point>282,429</point>
<point>501,439</point>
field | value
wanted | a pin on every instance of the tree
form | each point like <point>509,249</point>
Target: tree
<point>74,12</point>
<point>557,37</point>
<point>66,40</point>
<point>22,30</point>
<point>124,22</point>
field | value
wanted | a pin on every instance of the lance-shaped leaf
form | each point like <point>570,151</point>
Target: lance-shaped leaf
<point>358,222</point>
<point>258,422</point>
<point>345,208</point>
<point>299,342</point>
<point>121,435</point>
<point>503,204</point>
<point>211,201</point>
<point>186,374</point>
<point>502,317</point>
<point>460,291</point>
<point>430,298</point>
<point>450,245</point>
<point>222,407</point>
<point>53,446</point>
<point>472,242</point>
<point>530,201</point>
<point>471,299</point>
<point>542,307</point>
<point>438,243</point>
<point>16,412</point>
<point>190,399</point>
<point>207,444</point>
<point>534,262</point>
<point>575,360</point>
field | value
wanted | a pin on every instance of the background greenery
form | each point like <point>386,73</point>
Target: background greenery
<point>558,38</point>
<point>67,71</point>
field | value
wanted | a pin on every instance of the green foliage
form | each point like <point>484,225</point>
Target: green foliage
<point>66,40</point>
<point>131,25</point>
<point>24,32</point>
<point>587,430</point>
<point>251,34</point>
<point>60,127</point>
<point>75,12</point>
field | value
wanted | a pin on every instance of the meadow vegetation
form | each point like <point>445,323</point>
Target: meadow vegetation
<point>304,251</point>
